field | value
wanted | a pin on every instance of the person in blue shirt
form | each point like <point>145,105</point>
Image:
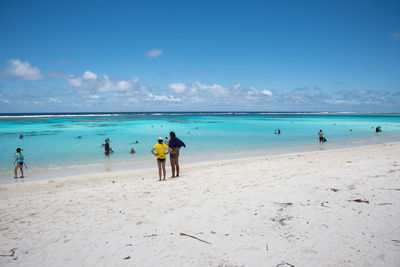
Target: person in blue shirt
<point>19,159</point>
<point>175,145</point>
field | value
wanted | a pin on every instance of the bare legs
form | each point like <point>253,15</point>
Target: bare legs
<point>16,169</point>
<point>174,166</point>
<point>161,167</point>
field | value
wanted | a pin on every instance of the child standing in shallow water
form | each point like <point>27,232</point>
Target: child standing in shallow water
<point>19,159</point>
<point>161,155</point>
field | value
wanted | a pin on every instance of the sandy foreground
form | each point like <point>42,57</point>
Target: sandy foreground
<point>286,210</point>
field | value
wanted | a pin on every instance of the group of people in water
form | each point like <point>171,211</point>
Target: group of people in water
<point>160,150</point>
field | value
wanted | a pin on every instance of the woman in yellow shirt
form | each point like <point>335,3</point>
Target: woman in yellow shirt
<point>161,155</point>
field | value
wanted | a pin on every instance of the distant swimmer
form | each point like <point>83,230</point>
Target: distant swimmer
<point>278,131</point>
<point>21,136</point>
<point>166,141</point>
<point>19,160</point>
<point>79,137</point>
<point>351,130</point>
<point>322,139</point>
<point>133,151</point>
<point>162,151</point>
<point>378,129</point>
<point>107,148</point>
<point>137,142</point>
<point>175,145</point>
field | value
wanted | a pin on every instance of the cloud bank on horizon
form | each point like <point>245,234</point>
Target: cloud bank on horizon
<point>201,65</point>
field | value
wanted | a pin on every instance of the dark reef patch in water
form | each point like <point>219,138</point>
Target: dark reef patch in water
<point>59,126</point>
<point>41,133</point>
<point>4,134</point>
<point>106,119</point>
<point>190,121</point>
<point>98,125</point>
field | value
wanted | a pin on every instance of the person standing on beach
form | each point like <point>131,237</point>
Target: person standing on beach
<point>161,155</point>
<point>175,145</point>
<point>19,159</point>
<point>321,136</point>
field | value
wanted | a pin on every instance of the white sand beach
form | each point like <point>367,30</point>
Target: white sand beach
<point>287,210</point>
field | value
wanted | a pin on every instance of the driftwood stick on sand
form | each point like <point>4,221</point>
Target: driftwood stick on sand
<point>285,264</point>
<point>12,251</point>
<point>195,238</point>
<point>360,200</point>
<point>285,204</point>
<point>152,235</point>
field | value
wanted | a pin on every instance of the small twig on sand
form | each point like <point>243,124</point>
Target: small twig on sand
<point>385,204</point>
<point>286,204</point>
<point>285,264</point>
<point>397,189</point>
<point>323,205</point>
<point>12,251</point>
<point>334,189</point>
<point>152,235</point>
<point>360,200</point>
<point>127,258</point>
<point>195,238</point>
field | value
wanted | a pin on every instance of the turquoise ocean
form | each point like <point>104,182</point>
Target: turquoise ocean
<point>51,147</point>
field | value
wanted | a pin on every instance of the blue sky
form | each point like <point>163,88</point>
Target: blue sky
<point>82,56</point>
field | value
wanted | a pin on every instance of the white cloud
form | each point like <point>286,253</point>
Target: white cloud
<point>88,75</point>
<point>396,35</point>
<point>106,85</point>
<point>21,70</point>
<point>54,100</point>
<point>266,92</point>
<point>237,86</point>
<point>102,83</point>
<point>163,98</point>
<point>155,52</point>
<point>75,82</point>
<point>94,96</point>
<point>135,79</point>
<point>132,100</point>
<point>215,89</point>
<point>5,101</point>
<point>178,87</point>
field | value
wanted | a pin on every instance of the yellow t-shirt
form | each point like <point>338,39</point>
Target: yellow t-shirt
<point>161,148</point>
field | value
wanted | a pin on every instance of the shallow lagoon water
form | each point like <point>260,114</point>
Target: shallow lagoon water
<point>51,144</point>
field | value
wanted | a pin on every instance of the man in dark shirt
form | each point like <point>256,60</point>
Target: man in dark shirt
<point>107,147</point>
<point>175,144</point>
